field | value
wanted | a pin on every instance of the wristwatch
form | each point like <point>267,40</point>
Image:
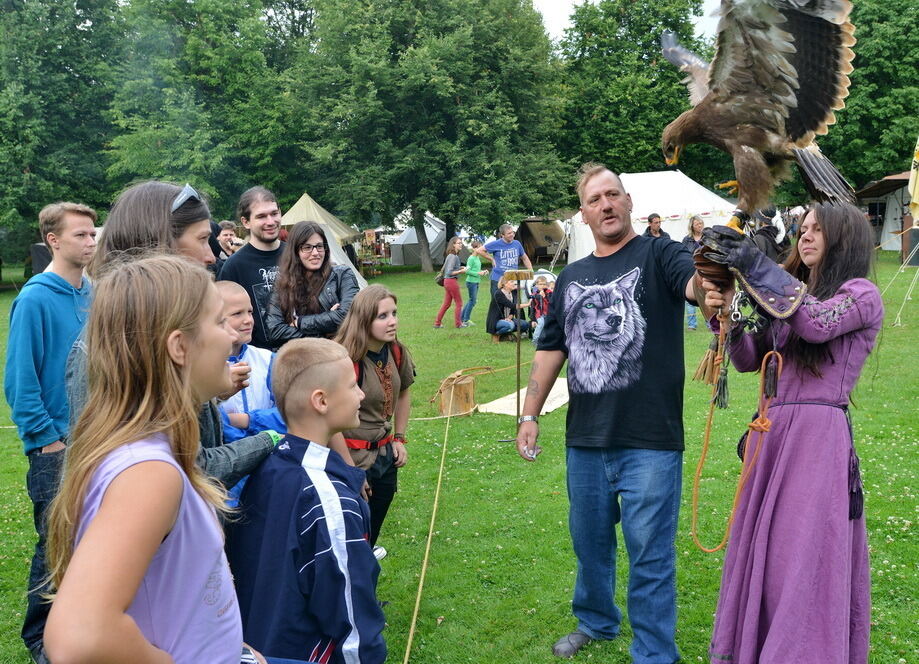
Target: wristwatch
<point>527,418</point>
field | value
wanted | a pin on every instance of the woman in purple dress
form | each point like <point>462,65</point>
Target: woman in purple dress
<point>795,584</point>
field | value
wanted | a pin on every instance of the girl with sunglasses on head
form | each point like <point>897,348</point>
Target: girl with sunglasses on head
<point>161,216</point>
<point>795,584</point>
<point>311,296</point>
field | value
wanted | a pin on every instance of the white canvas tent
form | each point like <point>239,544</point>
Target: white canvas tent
<point>405,250</point>
<point>306,209</point>
<point>892,195</point>
<point>337,232</point>
<point>671,194</point>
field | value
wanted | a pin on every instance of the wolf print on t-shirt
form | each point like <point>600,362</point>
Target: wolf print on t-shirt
<point>606,333</point>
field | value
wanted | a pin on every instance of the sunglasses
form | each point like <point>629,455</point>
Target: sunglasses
<point>188,192</point>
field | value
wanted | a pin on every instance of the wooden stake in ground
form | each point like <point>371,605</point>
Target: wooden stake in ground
<point>518,276</point>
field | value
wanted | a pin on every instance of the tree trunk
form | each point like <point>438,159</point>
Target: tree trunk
<point>427,265</point>
<point>450,224</point>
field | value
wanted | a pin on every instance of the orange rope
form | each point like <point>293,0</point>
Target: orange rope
<point>760,425</point>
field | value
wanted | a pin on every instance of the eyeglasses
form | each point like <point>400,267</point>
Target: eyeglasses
<point>308,248</point>
<point>188,192</point>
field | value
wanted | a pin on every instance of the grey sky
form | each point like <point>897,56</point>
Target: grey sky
<point>555,15</point>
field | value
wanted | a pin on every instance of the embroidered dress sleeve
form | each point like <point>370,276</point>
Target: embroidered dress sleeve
<point>855,306</point>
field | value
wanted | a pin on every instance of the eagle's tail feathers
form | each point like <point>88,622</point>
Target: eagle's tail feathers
<point>822,179</point>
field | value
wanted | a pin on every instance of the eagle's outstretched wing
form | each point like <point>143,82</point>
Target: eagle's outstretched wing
<point>688,62</point>
<point>790,58</point>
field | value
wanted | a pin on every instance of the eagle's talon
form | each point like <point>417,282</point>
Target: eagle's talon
<point>733,186</point>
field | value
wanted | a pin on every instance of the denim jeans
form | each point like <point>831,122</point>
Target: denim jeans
<point>505,326</point>
<point>690,316</point>
<point>473,290</point>
<point>537,331</point>
<point>641,489</point>
<point>42,481</point>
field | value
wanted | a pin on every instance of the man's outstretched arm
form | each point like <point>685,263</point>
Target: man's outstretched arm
<point>546,366</point>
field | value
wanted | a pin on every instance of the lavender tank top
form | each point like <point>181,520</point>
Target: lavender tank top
<point>186,603</point>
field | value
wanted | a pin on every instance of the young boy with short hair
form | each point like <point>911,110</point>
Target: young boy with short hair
<point>257,395</point>
<point>305,574</point>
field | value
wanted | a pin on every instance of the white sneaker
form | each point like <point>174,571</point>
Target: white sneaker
<point>379,552</point>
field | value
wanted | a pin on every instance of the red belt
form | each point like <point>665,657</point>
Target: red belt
<point>358,444</point>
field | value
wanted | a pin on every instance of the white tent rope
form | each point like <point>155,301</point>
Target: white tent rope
<point>909,296</point>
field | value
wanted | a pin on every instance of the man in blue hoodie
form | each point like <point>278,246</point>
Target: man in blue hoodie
<point>45,319</point>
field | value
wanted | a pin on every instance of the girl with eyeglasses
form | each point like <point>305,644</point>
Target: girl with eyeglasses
<point>311,296</point>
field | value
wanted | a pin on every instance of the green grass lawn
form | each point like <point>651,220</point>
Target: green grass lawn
<point>501,571</point>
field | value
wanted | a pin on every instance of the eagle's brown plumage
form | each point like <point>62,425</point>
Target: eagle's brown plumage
<point>780,71</point>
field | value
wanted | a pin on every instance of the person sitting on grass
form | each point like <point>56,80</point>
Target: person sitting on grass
<point>503,316</point>
<point>305,575</point>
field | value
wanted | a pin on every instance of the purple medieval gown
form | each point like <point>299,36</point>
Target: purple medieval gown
<point>795,585</point>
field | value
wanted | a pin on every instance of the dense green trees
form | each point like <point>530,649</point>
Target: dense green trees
<point>56,82</point>
<point>444,105</point>
<point>462,107</point>
<point>876,131</point>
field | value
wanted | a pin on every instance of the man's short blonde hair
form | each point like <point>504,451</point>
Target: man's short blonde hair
<point>51,217</point>
<point>301,366</point>
<point>587,172</point>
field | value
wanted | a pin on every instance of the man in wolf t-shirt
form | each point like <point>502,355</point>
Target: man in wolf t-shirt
<point>617,317</point>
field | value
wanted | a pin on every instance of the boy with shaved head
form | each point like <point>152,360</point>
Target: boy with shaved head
<point>305,574</point>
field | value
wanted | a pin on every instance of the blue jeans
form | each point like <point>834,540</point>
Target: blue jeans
<point>42,481</point>
<point>505,326</point>
<point>641,489</point>
<point>690,316</point>
<point>537,331</point>
<point>473,290</point>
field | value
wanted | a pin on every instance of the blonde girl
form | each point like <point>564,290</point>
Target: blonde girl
<point>135,551</point>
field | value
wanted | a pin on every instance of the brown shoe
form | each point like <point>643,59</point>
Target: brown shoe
<point>569,645</point>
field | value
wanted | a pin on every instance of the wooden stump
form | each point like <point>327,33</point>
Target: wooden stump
<point>463,388</point>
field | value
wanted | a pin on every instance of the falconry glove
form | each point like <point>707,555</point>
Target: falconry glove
<point>771,287</point>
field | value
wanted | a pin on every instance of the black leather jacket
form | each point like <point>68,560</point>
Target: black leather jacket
<point>340,288</point>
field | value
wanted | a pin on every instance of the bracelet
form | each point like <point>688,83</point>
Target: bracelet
<point>527,418</point>
<point>275,436</point>
<point>400,437</point>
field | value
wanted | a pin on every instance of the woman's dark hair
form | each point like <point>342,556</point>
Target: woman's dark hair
<point>298,289</point>
<point>848,253</point>
<point>142,219</point>
<point>448,248</point>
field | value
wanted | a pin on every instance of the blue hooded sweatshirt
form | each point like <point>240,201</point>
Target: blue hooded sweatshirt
<point>45,320</point>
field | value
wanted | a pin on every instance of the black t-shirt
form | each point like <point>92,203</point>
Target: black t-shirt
<point>619,319</point>
<point>256,271</point>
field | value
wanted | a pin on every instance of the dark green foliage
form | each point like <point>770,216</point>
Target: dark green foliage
<point>56,81</point>
<point>451,109</point>
<point>876,131</point>
<point>622,92</point>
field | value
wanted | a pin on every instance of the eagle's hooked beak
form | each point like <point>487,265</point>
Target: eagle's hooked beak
<point>672,161</point>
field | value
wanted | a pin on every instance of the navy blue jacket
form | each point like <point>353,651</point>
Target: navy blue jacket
<point>305,574</point>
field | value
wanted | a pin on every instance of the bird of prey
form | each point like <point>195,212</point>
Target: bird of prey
<point>780,70</point>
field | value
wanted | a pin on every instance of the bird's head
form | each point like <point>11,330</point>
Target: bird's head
<point>671,144</point>
<point>677,134</point>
